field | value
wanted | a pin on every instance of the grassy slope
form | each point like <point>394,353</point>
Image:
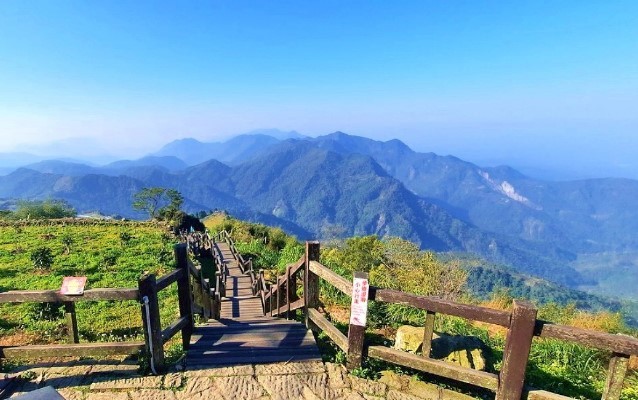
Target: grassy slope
<point>98,252</point>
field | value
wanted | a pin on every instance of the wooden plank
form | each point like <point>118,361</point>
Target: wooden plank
<point>435,304</point>
<point>236,345</point>
<point>615,343</point>
<point>615,376</point>
<point>166,280</point>
<point>207,361</point>
<point>254,340</point>
<point>435,367</point>
<point>331,277</point>
<point>265,352</point>
<point>72,350</point>
<point>326,326</point>
<point>25,296</point>
<point>175,327</point>
<point>516,353</point>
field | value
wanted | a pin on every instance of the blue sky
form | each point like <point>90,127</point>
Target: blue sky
<point>538,85</point>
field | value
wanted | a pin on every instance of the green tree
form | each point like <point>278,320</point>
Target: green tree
<point>158,202</point>
<point>47,209</point>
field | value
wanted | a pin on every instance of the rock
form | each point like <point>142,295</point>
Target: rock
<point>466,351</point>
<point>394,380</point>
<point>410,338</point>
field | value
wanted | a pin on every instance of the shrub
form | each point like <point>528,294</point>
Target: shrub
<point>42,258</point>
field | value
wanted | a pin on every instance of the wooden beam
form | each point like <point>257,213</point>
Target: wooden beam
<point>326,326</point>
<point>175,327</point>
<point>166,280</point>
<point>151,320</point>
<point>72,350</point>
<point>184,292</point>
<point>71,322</point>
<point>341,283</point>
<point>435,367</point>
<point>615,376</point>
<point>311,280</point>
<point>295,305</point>
<point>605,341</point>
<point>435,304</point>
<point>36,296</point>
<point>516,353</point>
<point>428,331</point>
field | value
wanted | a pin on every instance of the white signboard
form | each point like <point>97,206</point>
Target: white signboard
<point>359,306</point>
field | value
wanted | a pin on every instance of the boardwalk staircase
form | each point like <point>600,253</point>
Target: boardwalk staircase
<point>236,330</point>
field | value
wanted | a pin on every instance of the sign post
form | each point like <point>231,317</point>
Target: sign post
<point>358,319</point>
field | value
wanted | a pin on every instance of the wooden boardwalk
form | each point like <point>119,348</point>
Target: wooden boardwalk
<point>243,335</point>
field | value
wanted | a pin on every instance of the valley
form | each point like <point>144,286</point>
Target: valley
<point>340,185</point>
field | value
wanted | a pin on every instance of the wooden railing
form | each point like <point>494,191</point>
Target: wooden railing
<point>521,324</point>
<point>146,293</point>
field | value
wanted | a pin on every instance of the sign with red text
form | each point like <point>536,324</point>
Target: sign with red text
<point>359,305</point>
<point>73,285</point>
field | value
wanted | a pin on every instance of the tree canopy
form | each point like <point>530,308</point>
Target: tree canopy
<point>158,202</point>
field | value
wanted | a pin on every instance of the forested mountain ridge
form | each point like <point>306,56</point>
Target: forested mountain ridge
<point>342,185</point>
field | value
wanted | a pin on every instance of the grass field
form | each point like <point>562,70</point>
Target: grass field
<point>109,254</point>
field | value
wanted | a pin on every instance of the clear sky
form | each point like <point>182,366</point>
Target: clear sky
<point>533,84</point>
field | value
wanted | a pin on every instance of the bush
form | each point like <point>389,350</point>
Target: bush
<point>42,258</point>
<point>48,209</point>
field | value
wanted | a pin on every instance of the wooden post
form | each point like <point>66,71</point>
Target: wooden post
<point>358,320</point>
<point>152,326</point>
<point>184,294</point>
<point>278,288</point>
<point>427,334</point>
<point>270,300</point>
<point>71,322</point>
<point>615,376</point>
<point>202,290</point>
<point>516,352</point>
<point>311,280</point>
<point>288,292</point>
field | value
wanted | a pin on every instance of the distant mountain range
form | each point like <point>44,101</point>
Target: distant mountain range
<point>343,185</point>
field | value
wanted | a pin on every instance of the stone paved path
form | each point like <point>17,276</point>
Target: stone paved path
<point>282,381</point>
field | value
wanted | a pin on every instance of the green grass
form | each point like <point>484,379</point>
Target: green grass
<point>109,254</point>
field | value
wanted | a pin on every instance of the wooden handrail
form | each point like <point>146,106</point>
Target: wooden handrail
<point>438,305</point>
<point>620,344</point>
<point>37,296</point>
<point>169,278</point>
<point>521,323</point>
<point>331,277</point>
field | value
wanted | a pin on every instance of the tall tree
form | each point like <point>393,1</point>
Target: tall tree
<point>158,201</point>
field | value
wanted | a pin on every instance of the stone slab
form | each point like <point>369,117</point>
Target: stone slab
<point>366,386</point>
<point>290,368</point>
<point>239,387</point>
<point>117,383</point>
<point>152,394</point>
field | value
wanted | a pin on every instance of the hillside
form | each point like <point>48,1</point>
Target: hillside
<point>110,254</point>
<point>339,185</point>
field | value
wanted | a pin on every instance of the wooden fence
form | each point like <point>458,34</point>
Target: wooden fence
<point>521,324</point>
<point>146,293</point>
